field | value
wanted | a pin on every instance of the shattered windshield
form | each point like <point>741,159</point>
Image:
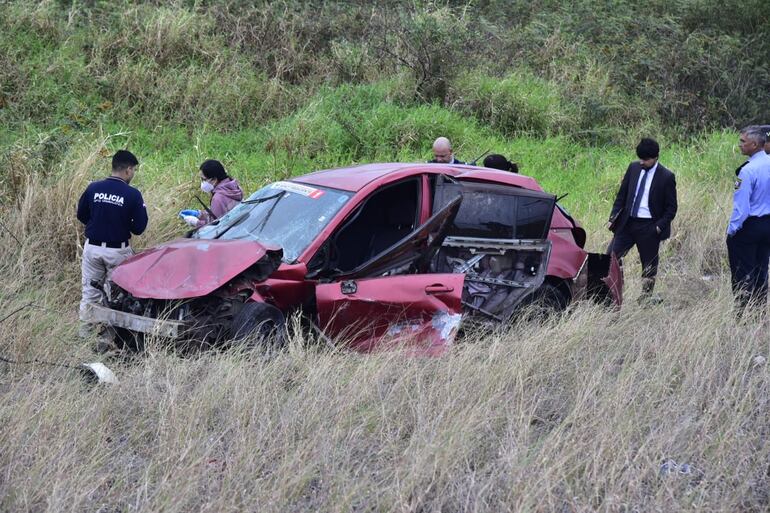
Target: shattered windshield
<point>285,214</point>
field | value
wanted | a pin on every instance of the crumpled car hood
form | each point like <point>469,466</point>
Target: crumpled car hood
<point>187,268</point>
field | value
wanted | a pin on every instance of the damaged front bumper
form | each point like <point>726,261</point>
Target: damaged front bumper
<point>99,314</point>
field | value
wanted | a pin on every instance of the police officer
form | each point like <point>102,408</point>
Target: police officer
<point>766,129</point>
<point>748,234</point>
<point>111,210</point>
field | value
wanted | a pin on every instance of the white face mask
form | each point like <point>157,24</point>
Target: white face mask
<point>207,186</point>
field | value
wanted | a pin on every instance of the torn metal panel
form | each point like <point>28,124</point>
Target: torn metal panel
<point>614,280</point>
<point>103,315</point>
<point>189,268</point>
<point>604,279</point>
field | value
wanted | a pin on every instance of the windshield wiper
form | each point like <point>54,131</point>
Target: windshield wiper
<point>250,202</point>
<point>266,198</point>
<point>268,215</point>
<point>243,216</point>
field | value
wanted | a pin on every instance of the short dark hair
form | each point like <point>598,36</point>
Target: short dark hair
<point>496,161</point>
<point>123,159</point>
<point>647,149</point>
<point>214,169</point>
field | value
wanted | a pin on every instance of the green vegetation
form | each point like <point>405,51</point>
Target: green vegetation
<point>573,415</point>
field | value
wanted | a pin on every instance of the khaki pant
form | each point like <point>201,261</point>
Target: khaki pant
<point>98,263</point>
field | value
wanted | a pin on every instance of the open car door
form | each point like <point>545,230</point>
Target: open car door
<point>392,300</point>
<point>499,240</point>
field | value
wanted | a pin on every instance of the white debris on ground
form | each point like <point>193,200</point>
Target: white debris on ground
<point>101,372</point>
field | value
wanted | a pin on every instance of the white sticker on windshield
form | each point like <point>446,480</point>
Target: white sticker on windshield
<point>298,188</point>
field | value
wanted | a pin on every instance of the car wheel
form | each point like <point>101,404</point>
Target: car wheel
<point>258,323</point>
<point>127,340</point>
<point>546,301</point>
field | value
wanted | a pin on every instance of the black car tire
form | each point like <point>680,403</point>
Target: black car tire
<point>547,300</point>
<point>258,323</point>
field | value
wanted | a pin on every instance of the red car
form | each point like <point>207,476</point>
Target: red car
<point>371,254</point>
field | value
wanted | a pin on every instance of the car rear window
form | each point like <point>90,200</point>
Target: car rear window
<point>497,211</point>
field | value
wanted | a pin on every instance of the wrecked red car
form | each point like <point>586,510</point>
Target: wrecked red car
<point>371,255</point>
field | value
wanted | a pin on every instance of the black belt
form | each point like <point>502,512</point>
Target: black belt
<point>113,245</point>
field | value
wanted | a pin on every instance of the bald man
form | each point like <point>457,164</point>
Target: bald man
<point>442,152</point>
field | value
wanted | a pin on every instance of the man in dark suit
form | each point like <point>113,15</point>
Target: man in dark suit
<point>442,152</point>
<point>643,211</point>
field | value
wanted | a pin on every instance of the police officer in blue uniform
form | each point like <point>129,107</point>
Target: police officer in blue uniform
<point>766,129</point>
<point>111,211</point>
<point>748,234</point>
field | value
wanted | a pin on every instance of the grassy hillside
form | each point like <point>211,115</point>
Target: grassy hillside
<point>577,414</point>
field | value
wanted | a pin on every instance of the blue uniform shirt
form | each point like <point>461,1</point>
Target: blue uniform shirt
<point>112,210</point>
<point>752,191</point>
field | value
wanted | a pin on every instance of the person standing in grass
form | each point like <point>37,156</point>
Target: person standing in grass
<point>644,208</point>
<point>442,152</point>
<point>748,233</point>
<point>225,194</point>
<point>111,211</point>
<point>496,161</point>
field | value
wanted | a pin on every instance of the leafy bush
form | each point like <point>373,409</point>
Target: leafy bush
<point>518,103</point>
<point>614,66</point>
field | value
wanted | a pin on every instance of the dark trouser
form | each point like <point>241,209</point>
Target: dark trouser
<point>749,251</point>
<point>643,233</point>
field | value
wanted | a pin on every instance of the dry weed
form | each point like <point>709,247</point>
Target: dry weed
<point>576,414</point>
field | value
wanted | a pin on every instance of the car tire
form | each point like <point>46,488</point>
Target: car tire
<point>258,324</point>
<point>546,301</point>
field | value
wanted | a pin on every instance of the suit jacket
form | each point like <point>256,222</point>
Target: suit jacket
<point>661,201</point>
<point>454,161</point>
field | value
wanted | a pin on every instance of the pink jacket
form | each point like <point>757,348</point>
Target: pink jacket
<point>224,197</point>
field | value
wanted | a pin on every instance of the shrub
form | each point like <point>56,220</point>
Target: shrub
<point>518,103</point>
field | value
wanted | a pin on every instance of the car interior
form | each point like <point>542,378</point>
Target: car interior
<point>384,218</point>
<point>498,240</point>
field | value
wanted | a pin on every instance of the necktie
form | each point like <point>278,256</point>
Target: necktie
<point>738,171</point>
<point>639,193</point>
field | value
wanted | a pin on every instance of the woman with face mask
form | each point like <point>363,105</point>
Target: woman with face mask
<point>225,194</point>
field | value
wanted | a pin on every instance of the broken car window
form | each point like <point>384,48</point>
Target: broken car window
<point>285,214</point>
<point>498,212</point>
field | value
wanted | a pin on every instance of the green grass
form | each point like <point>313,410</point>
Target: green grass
<point>571,415</point>
<point>347,125</point>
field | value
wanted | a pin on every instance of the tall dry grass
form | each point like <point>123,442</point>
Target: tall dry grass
<point>576,414</point>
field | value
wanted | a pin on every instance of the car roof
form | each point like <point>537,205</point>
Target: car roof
<point>355,178</point>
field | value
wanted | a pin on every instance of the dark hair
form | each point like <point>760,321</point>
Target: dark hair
<point>123,159</point>
<point>496,161</point>
<point>214,169</point>
<point>647,149</point>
